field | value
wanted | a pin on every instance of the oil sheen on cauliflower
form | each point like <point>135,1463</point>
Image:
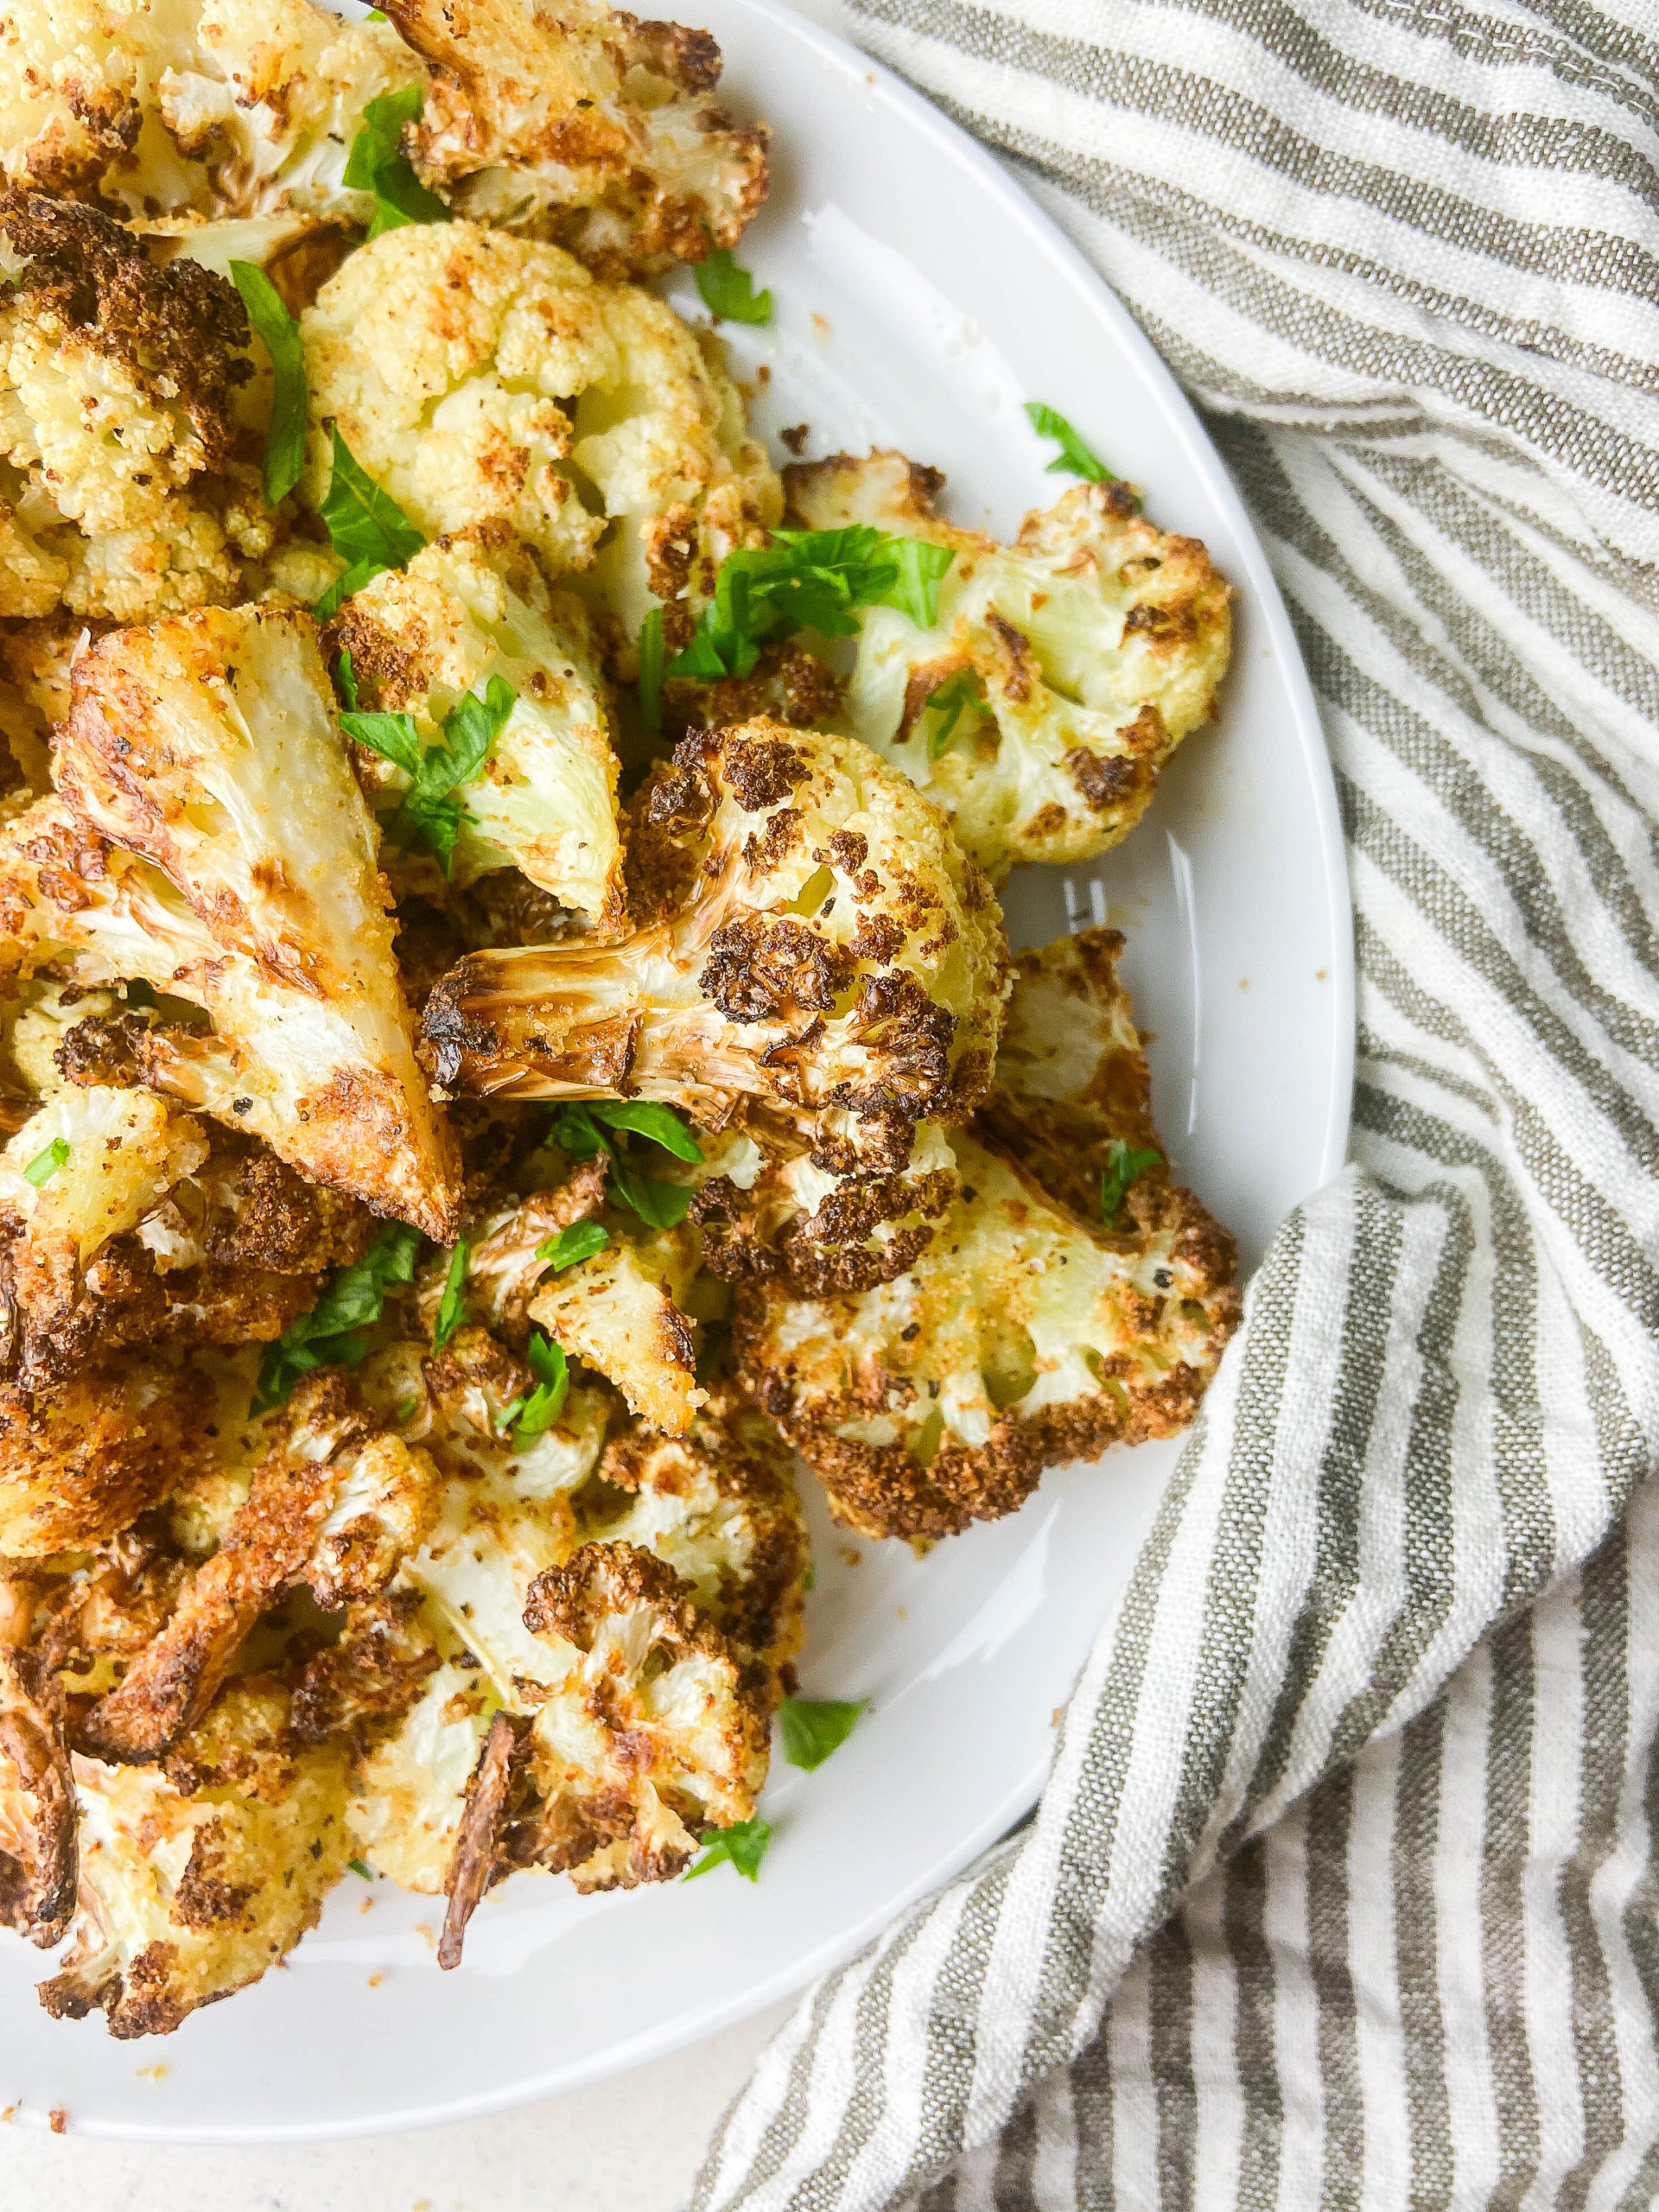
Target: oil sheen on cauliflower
<point>240,107</point>
<point>481,377</point>
<point>1026,1332</point>
<point>207,748</point>
<point>590,128</point>
<point>197,1878</point>
<point>118,385</point>
<point>466,609</point>
<point>815,939</point>
<point>1061,674</point>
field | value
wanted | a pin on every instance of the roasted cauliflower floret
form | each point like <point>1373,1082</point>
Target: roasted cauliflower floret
<point>623,1313</point>
<point>117,384</point>
<point>1061,674</point>
<point>594,128</point>
<point>465,611</point>
<point>38,1791</point>
<point>483,378</point>
<point>812,937</point>
<point>196,1878</point>
<point>1074,1300</point>
<point>207,748</point>
<point>655,1729</point>
<point>337,1504</point>
<point>82,1459</point>
<point>236,106</point>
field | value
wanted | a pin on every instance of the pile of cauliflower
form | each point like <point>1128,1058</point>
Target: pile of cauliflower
<point>502,1069</point>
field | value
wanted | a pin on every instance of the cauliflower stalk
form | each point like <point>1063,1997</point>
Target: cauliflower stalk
<point>816,941</point>
<point>467,611</point>
<point>484,379</point>
<point>206,750</point>
<point>1060,675</point>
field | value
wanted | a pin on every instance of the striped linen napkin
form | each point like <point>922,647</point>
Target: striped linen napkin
<point>1343,1890</point>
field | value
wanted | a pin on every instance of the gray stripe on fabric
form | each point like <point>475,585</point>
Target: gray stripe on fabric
<point>1602,1235</point>
<point>784,2130</point>
<point>1016,2152</point>
<point>1367,1308</point>
<point>1093,2114</point>
<point>1626,1454</point>
<point>1496,43</point>
<point>1604,1615</point>
<point>1170,2028</point>
<point>1328,1828</point>
<point>1600,34</point>
<point>1111,192</point>
<point>1417,1960</point>
<point>1212,109</point>
<point>953,2022</point>
<point>1502,1911</point>
<point>1244,1922</point>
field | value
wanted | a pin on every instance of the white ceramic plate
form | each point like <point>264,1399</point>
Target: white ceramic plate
<point>920,298</point>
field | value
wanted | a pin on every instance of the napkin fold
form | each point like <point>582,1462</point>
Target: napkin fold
<point>1341,1890</point>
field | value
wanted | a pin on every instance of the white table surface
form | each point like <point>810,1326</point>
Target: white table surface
<point>631,2144</point>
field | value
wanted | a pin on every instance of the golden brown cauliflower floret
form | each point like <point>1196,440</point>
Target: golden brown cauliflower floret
<point>1026,1333</point>
<point>37,1792</point>
<point>82,1459</point>
<point>584,126</point>
<point>1062,671</point>
<point>811,937</point>
<point>231,107</point>
<point>468,610</point>
<point>207,748</point>
<point>117,383</point>
<point>479,377</point>
<point>196,1878</point>
<point>337,1504</point>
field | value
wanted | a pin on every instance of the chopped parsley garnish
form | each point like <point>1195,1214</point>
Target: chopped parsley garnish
<point>452,1306</point>
<point>430,816</point>
<point>545,1403</point>
<point>45,1165</point>
<point>367,527</point>
<point>581,1131</point>
<point>407,1410</point>
<point>330,1334</point>
<point>580,1242</point>
<point>950,701</point>
<point>1123,1165</point>
<point>808,580</point>
<point>728,291</point>
<point>285,435</point>
<point>815,1727</point>
<point>743,1845</point>
<point>651,670</point>
<point>376,163</point>
<point>1074,458</point>
<point>361,1866</point>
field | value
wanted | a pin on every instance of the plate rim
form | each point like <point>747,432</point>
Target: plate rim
<point>958,144</point>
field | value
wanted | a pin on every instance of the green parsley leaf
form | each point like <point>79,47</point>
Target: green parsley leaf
<point>429,817</point>
<point>574,1129</point>
<point>407,1410</point>
<point>552,1372</point>
<point>811,1578</point>
<point>341,590</point>
<point>329,1335</point>
<point>1123,1167</point>
<point>376,163</point>
<point>808,580</point>
<point>346,677</point>
<point>285,433</point>
<point>743,1844</point>
<point>1074,458</point>
<point>45,1165</point>
<point>815,1727</point>
<point>728,291</point>
<point>361,1866</point>
<point>580,1242</point>
<point>651,670</point>
<point>364,523</point>
<point>659,1204</point>
<point>646,1118</point>
<point>452,1306</point>
<point>952,700</point>
<point>393,736</point>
